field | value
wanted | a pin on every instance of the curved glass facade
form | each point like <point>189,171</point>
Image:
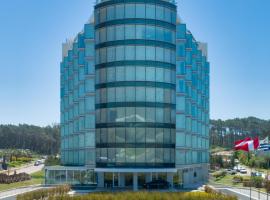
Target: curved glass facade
<point>135,84</point>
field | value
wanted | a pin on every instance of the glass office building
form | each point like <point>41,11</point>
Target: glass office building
<point>134,99</point>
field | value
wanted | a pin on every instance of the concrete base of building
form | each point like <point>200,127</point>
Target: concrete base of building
<point>129,178</point>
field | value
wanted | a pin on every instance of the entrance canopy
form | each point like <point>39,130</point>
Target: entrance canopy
<point>137,170</point>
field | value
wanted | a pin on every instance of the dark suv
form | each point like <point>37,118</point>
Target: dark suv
<point>157,184</point>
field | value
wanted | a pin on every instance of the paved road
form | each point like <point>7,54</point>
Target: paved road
<point>30,169</point>
<point>243,193</point>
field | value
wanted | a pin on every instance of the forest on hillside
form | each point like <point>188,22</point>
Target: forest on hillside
<point>225,132</point>
<point>42,140</point>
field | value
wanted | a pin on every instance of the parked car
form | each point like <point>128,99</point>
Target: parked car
<point>232,172</point>
<point>243,171</point>
<point>157,184</point>
<point>37,163</point>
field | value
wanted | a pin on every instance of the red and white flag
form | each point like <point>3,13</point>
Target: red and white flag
<point>247,144</point>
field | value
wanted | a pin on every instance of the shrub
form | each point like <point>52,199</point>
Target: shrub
<point>219,174</point>
<point>257,181</point>
<point>52,193</point>
<point>267,186</point>
<point>6,179</point>
<point>135,196</point>
<point>238,179</point>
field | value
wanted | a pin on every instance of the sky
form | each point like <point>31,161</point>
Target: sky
<point>32,32</point>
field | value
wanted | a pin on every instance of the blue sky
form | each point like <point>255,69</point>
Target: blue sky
<point>31,33</point>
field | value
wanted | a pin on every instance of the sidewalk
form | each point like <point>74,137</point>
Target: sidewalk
<point>11,194</point>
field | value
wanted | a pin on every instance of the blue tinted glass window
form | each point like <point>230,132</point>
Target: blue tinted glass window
<point>119,11</point>
<point>167,15</point>
<point>150,33</point>
<point>140,94</point>
<point>110,33</point>
<point>159,34</point>
<point>110,94</point>
<point>102,14</point>
<point>120,53</point>
<point>150,73</point>
<point>130,10</point>
<point>130,31</point>
<point>120,73</point>
<point>110,54</point>
<point>110,12</point>
<point>159,54</point>
<point>110,74</point>
<point>130,73</point>
<point>159,74</point>
<point>140,114</point>
<point>168,35</point>
<point>150,94</point>
<point>81,57</point>
<point>140,32</point>
<point>140,73</point>
<point>159,13</point>
<point>150,53</point>
<point>120,32</point>
<point>130,52</point>
<point>140,10</point>
<point>140,135</point>
<point>140,52</point>
<point>140,155</point>
<point>159,95</point>
<point>150,11</point>
<point>159,115</point>
<point>130,94</point>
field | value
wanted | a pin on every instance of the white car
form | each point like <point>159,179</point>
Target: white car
<point>243,171</point>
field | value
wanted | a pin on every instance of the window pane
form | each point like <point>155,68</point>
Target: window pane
<point>167,136</point>
<point>159,34</point>
<point>110,74</point>
<point>120,155</point>
<point>102,14</point>
<point>120,74</point>
<point>159,115</point>
<point>120,32</point>
<point>111,135</point>
<point>140,52</point>
<point>159,155</point>
<point>120,94</point>
<point>159,95</point>
<point>140,94</point>
<point>150,11</point>
<point>140,135</point>
<point>140,10</point>
<point>130,155</point>
<point>150,73</point>
<point>110,94</point>
<point>119,12</point>
<point>103,135</point>
<point>150,32</point>
<point>130,135</point>
<point>130,115</point>
<point>140,114</point>
<point>120,135</point>
<point>159,13</point>
<point>140,31</point>
<point>130,52</point>
<point>150,135</point>
<point>150,53</point>
<point>130,94</point>
<point>150,155</point>
<point>130,10</point>
<point>120,53</point>
<point>130,31</point>
<point>159,54</point>
<point>110,13</point>
<point>150,114</point>
<point>140,155</point>
<point>140,73</point>
<point>110,54</point>
<point>130,73</point>
<point>150,94</point>
<point>111,117</point>
<point>159,74</point>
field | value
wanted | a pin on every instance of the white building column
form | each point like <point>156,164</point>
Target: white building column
<point>100,178</point>
<point>170,178</point>
<point>135,181</point>
<point>148,177</point>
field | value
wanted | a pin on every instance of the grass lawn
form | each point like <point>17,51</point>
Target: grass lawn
<point>37,178</point>
<point>227,180</point>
